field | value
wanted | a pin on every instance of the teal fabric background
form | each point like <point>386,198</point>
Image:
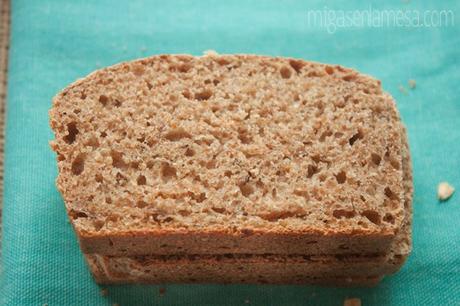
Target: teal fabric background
<point>55,42</point>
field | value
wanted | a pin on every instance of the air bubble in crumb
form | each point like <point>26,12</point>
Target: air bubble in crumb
<point>352,302</point>
<point>210,53</point>
<point>78,165</point>
<point>445,191</point>
<point>412,84</point>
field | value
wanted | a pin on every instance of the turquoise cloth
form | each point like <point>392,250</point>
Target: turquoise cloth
<point>55,42</point>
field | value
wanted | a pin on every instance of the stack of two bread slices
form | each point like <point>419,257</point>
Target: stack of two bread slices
<point>234,169</point>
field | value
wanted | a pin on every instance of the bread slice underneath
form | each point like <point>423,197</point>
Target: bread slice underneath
<point>211,272</point>
<point>219,269</point>
<point>326,270</point>
<point>229,154</point>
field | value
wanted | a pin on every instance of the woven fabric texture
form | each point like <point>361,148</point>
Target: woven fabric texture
<point>55,42</point>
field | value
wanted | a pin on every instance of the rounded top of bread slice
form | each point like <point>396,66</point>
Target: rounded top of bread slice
<point>226,143</point>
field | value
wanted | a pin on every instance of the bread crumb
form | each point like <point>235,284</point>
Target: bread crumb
<point>104,291</point>
<point>412,84</point>
<point>210,53</point>
<point>352,302</point>
<point>402,89</point>
<point>246,301</point>
<point>162,291</point>
<point>445,191</point>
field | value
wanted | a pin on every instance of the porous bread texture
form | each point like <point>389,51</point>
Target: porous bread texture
<point>262,268</point>
<point>252,243</point>
<point>216,272</point>
<point>171,148</point>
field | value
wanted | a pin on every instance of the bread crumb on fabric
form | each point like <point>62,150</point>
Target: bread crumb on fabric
<point>104,291</point>
<point>162,291</point>
<point>210,52</point>
<point>412,84</point>
<point>402,89</point>
<point>352,302</point>
<point>445,191</point>
<point>246,301</point>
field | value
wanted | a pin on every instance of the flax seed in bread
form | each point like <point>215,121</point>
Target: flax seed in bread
<point>229,154</point>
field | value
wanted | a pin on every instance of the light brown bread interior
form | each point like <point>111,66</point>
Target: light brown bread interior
<point>237,145</point>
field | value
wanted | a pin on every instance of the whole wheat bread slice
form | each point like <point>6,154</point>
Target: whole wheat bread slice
<point>229,154</point>
<point>227,268</point>
<point>213,272</point>
<point>263,268</point>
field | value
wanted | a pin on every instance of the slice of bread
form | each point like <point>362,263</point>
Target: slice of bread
<point>115,271</point>
<point>261,268</point>
<point>229,154</point>
<point>214,268</point>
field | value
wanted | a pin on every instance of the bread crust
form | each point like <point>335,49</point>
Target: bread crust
<point>165,243</point>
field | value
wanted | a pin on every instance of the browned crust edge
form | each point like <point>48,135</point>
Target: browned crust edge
<point>218,243</point>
